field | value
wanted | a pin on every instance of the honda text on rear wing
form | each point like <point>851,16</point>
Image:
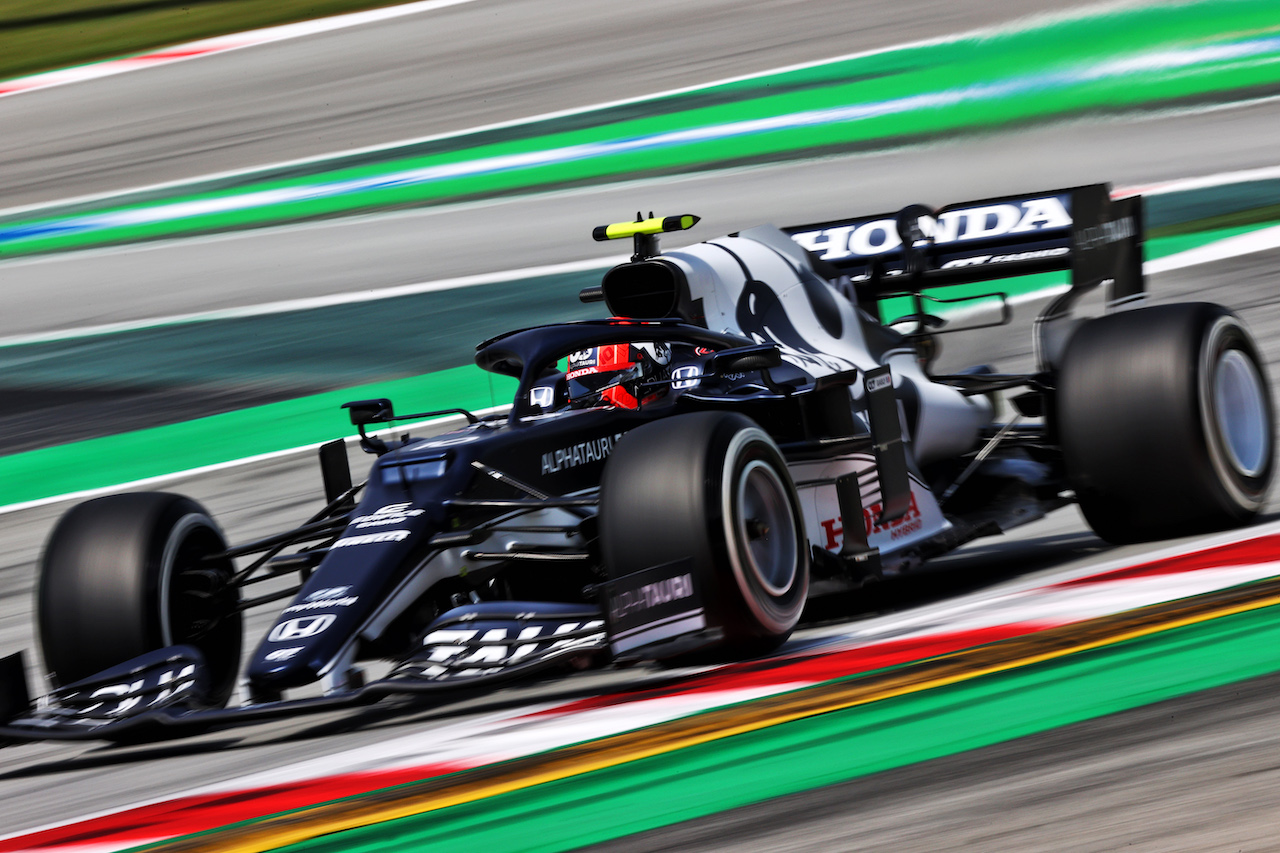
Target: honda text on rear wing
<point>1082,230</point>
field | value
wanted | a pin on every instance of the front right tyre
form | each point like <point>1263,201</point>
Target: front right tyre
<point>714,488</point>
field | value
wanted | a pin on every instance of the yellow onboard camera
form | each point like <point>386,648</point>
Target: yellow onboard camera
<point>644,231</point>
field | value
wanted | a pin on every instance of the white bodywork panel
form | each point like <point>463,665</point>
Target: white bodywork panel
<point>821,507</point>
<point>761,285</point>
<point>782,302</point>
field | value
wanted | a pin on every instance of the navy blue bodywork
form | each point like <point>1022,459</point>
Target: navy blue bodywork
<point>412,488</point>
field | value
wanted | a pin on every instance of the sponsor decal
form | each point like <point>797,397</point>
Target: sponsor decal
<point>686,377</point>
<point>654,605</point>
<point>879,383</point>
<point>585,453</point>
<point>283,654</point>
<point>910,522</point>
<point>1107,232</point>
<point>980,260</point>
<point>345,601</point>
<point>372,538</point>
<point>389,514</point>
<point>582,363</point>
<point>334,596</point>
<point>542,396</point>
<point>629,601</point>
<point>328,592</point>
<point>450,656</point>
<point>129,697</point>
<point>878,236</point>
<point>612,358</point>
<point>300,628</point>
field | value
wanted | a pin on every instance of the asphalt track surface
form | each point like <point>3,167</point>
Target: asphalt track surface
<point>491,61</point>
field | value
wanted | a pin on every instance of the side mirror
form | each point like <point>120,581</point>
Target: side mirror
<point>364,412</point>
<point>370,412</point>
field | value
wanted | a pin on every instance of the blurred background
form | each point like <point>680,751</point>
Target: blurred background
<point>219,220</point>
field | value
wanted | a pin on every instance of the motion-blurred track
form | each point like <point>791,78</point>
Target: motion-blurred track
<point>495,61</point>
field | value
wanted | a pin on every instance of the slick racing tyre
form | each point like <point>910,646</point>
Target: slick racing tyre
<point>127,574</point>
<point>1164,415</point>
<point>711,487</point>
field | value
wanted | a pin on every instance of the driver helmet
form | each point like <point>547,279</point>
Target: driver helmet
<point>615,374</point>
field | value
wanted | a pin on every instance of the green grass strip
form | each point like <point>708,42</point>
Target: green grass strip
<point>114,460</point>
<point>1162,247</point>
<point>125,458</point>
<point>830,748</point>
<point>1165,54</point>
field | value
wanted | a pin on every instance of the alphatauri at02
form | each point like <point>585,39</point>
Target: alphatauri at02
<point>745,431</point>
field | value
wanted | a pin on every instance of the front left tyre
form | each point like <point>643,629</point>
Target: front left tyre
<point>128,574</point>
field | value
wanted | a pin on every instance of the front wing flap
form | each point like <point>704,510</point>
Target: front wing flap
<point>495,640</point>
<point>160,693</point>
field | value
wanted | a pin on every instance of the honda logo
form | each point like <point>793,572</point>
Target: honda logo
<point>543,396</point>
<point>301,628</point>
<point>686,377</point>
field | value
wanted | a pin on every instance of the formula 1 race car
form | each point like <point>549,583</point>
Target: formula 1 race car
<point>745,432</point>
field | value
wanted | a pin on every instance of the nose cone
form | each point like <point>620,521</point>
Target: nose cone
<point>313,630</point>
<point>295,652</point>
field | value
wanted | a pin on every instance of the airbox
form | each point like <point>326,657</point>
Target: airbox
<point>646,290</point>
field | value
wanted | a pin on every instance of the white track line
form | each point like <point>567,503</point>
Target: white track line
<point>1031,22</point>
<point>311,302</point>
<point>216,45</point>
<point>1220,250</point>
<point>234,463</point>
<point>1218,179</point>
<point>1258,241</point>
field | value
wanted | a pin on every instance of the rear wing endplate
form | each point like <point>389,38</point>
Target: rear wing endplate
<point>1081,229</point>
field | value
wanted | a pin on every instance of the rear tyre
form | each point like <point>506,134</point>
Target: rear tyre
<point>127,574</point>
<point>713,487</point>
<point>1165,419</point>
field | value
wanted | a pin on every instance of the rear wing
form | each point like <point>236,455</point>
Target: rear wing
<point>1082,230</point>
